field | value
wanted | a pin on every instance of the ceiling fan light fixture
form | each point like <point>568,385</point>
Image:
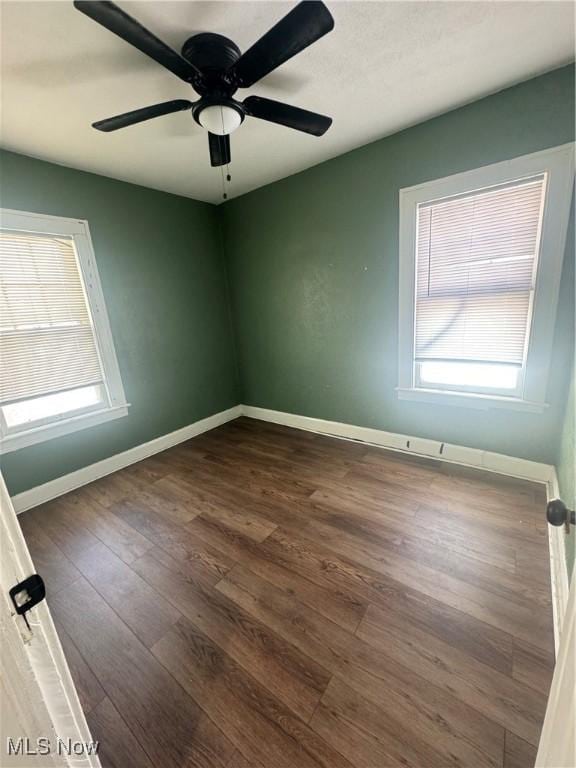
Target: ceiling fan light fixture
<point>220,119</point>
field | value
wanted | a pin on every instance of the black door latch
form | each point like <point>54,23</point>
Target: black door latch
<point>557,513</point>
<point>27,594</point>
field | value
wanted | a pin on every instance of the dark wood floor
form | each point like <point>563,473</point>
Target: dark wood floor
<point>261,596</point>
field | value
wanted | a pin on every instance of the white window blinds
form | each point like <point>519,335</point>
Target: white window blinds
<point>47,342</point>
<point>476,257</point>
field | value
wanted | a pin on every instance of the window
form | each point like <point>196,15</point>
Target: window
<point>480,261</point>
<point>58,366</point>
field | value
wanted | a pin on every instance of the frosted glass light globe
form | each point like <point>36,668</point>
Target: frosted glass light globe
<point>219,119</point>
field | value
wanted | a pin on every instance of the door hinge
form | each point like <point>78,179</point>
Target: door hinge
<point>27,594</point>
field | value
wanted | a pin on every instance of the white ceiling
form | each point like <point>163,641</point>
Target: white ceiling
<point>386,65</point>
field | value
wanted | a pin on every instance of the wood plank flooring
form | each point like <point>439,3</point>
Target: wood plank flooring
<point>262,597</point>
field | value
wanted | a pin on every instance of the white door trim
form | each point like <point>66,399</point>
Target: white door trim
<point>558,567</point>
<point>49,706</point>
<point>557,748</point>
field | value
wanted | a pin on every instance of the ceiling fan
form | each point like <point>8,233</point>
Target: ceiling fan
<point>215,68</point>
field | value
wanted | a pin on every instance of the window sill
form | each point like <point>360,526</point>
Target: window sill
<point>18,440</point>
<point>469,400</point>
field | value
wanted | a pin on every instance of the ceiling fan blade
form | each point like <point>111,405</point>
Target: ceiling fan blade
<point>139,115</point>
<point>305,24</point>
<point>219,149</point>
<point>120,23</point>
<point>285,114</point>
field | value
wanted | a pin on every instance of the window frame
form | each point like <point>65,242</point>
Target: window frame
<point>558,164</point>
<point>116,405</point>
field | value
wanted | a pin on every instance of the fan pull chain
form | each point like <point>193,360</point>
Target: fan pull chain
<point>224,195</point>
<point>228,177</point>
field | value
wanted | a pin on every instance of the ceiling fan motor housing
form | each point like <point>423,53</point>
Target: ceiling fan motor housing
<point>211,53</point>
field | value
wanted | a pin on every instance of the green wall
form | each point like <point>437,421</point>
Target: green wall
<point>313,265</point>
<point>161,265</point>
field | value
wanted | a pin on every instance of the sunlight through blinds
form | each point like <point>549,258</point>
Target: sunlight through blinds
<point>476,257</point>
<point>47,342</point>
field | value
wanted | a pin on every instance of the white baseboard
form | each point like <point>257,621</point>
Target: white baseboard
<point>558,566</point>
<point>50,490</point>
<point>458,454</point>
<point>435,449</point>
